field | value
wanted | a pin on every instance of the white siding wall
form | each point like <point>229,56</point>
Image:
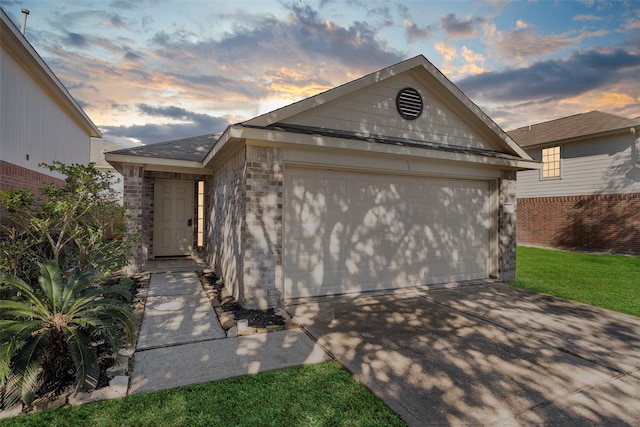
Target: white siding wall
<point>373,111</point>
<point>32,123</point>
<point>596,166</point>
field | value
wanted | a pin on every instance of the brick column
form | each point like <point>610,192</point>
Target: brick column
<point>132,196</point>
<point>507,226</point>
<point>262,262</point>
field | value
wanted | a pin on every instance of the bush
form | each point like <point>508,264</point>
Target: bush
<point>48,333</point>
<point>78,225</point>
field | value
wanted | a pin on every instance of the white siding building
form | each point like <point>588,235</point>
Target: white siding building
<point>40,120</point>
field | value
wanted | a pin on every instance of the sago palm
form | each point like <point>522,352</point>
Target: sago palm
<point>50,328</point>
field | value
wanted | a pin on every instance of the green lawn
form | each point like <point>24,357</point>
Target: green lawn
<point>608,281</point>
<point>316,395</point>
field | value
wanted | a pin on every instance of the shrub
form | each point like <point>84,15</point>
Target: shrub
<point>48,329</point>
<point>80,224</point>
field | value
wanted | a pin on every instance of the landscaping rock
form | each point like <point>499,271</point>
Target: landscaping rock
<point>46,404</point>
<point>127,352</point>
<point>232,332</point>
<point>11,412</point>
<point>80,399</point>
<point>121,367</point>
<point>227,320</point>
<point>120,385</point>
<point>291,324</point>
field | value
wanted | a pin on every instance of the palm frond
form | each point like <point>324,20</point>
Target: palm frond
<point>51,283</point>
<point>27,291</point>
<point>84,358</point>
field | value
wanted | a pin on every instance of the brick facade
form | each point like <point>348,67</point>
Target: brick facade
<point>590,222</point>
<point>226,232</point>
<point>133,179</point>
<point>13,177</point>
<point>138,197</point>
<point>244,207</point>
<point>507,226</point>
<point>262,266</point>
<point>246,225</point>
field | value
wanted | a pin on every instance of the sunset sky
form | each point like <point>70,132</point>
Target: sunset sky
<point>148,71</point>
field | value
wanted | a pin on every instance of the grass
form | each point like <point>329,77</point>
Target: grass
<point>315,395</point>
<point>608,281</point>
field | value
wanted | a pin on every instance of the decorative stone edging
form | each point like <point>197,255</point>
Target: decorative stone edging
<point>230,324</point>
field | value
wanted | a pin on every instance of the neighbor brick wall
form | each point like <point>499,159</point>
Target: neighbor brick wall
<point>589,222</point>
<point>507,227</point>
<point>13,177</point>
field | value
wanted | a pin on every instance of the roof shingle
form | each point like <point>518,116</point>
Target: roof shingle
<point>578,125</point>
<point>193,149</point>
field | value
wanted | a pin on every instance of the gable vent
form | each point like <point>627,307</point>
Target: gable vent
<point>409,103</point>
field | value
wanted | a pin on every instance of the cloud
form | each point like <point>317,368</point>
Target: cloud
<point>415,33</point>
<point>75,39</point>
<point>525,42</point>
<point>582,18</point>
<point>459,28</point>
<point>554,79</point>
<point>193,124</point>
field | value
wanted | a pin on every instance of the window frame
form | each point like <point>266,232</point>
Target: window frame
<point>551,163</point>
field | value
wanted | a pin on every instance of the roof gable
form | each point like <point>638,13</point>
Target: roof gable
<point>366,107</point>
<point>582,125</point>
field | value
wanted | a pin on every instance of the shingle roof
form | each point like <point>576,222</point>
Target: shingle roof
<point>191,149</point>
<point>579,125</point>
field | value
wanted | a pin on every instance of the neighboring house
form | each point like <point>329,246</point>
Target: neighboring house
<point>587,194</point>
<point>393,180</point>
<point>98,150</point>
<point>39,120</point>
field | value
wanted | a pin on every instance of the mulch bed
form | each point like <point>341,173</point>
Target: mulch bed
<point>223,301</point>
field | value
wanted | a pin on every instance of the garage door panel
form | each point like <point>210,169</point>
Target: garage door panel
<point>381,232</point>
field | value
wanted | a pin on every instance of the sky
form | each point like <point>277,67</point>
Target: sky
<point>148,71</point>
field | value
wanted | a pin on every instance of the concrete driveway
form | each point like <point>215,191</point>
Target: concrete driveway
<point>486,354</point>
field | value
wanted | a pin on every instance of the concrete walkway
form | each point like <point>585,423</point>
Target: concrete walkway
<point>181,341</point>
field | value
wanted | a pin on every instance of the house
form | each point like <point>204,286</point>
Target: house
<point>97,157</point>
<point>393,180</point>
<point>40,120</point>
<point>587,194</point>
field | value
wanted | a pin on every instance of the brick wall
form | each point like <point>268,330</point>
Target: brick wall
<point>133,180</point>
<point>507,226</point>
<point>226,193</point>
<point>590,222</point>
<point>245,230</point>
<point>138,195</point>
<point>13,177</point>
<point>262,267</point>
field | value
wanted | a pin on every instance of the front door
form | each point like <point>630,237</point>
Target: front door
<point>173,218</point>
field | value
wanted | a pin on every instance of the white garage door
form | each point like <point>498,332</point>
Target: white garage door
<point>351,232</point>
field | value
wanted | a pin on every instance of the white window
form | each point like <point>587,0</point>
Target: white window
<point>551,162</point>
<point>200,223</point>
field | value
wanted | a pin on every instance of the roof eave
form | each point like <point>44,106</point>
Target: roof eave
<point>118,161</point>
<point>273,137</point>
